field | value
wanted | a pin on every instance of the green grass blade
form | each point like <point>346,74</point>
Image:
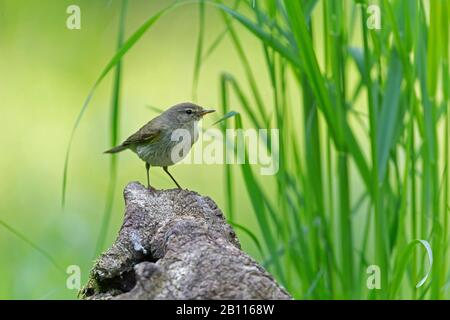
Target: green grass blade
<point>358,56</point>
<point>155,109</point>
<point>229,79</point>
<point>215,44</point>
<point>228,115</point>
<point>266,37</point>
<point>434,45</point>
<point>258,199</point>
<point>128,44</point>
<point>401,266</point>
<point>114,134</point>
<point>252,236</point>
<point>248,71</point>
<point>229,192</point>
<point>36,247</point>
<point>389,118</point>
<point>199,51</point>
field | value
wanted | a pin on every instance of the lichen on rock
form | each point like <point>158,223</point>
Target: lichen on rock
<point>176,244</point>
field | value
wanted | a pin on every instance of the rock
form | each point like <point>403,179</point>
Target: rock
<point>176,244</point>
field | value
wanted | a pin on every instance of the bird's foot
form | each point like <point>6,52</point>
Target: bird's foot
<point>150,188</point>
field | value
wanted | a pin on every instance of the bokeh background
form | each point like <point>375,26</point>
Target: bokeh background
<point>46,72</point>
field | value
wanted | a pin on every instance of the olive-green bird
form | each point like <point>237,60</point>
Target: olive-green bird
<point>153,143</point>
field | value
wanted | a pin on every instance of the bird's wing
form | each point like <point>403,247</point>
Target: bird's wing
<point>143,135</point>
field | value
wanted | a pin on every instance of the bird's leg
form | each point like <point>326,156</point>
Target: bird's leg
<point>147,167</point>
<point>173,179</point>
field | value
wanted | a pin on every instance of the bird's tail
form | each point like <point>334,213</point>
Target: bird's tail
<point>116,149</point>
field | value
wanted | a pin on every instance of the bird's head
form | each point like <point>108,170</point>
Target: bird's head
<point>185,113</point>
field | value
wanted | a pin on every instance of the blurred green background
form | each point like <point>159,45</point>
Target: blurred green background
<point>46,71</point>
<point>326,216</point>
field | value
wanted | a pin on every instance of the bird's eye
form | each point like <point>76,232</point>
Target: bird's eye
<point>189,111</point>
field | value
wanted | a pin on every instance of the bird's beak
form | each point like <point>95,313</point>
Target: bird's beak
<point>203,112</point>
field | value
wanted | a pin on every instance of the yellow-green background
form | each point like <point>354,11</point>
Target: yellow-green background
<point>46,71</point>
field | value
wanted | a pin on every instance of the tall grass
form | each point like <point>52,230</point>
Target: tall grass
<point>44,253</point>
<point>363,177</point>
<point>114,134</point>
<point>402,91</point>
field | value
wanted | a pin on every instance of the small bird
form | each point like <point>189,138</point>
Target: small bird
<point>153,143</point>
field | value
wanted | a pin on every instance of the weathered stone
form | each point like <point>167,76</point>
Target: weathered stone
<point>176,244</point>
